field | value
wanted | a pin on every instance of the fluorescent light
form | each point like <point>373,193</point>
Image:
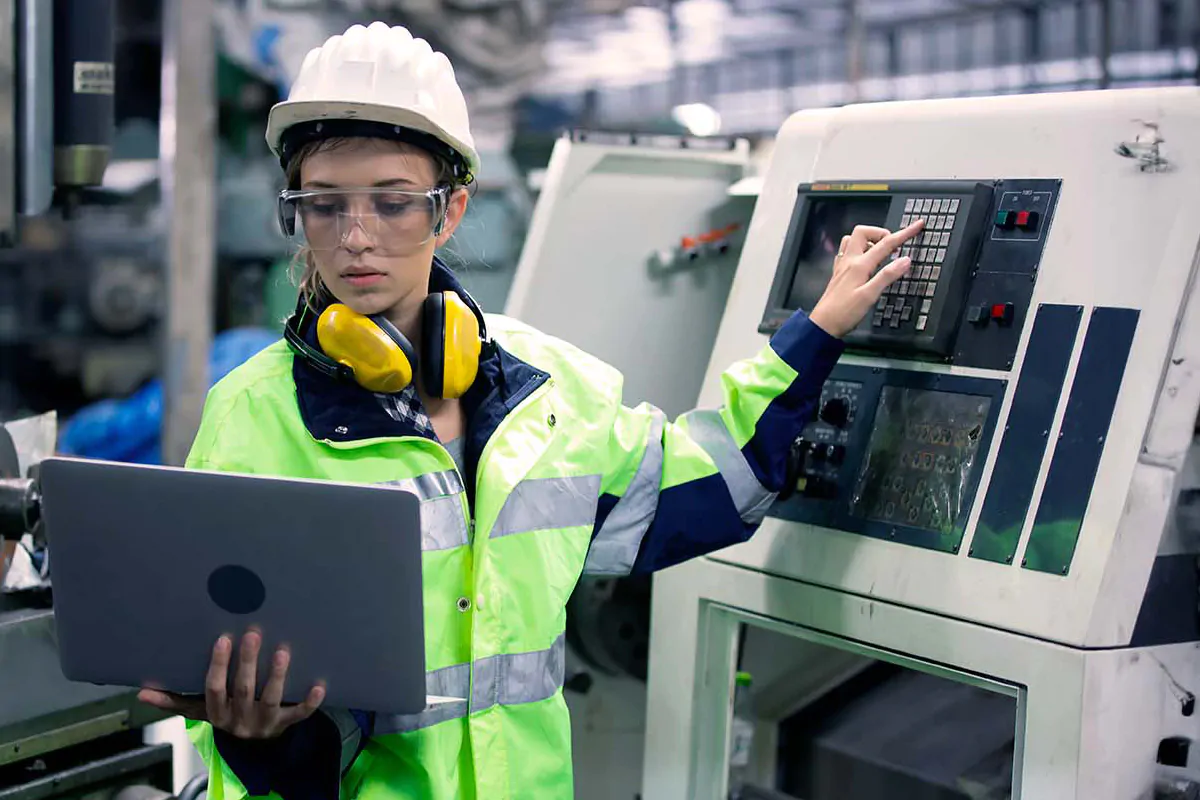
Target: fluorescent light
<point>699,118</point>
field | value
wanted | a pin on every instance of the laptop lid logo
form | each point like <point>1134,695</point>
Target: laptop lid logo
<point>236,589</point>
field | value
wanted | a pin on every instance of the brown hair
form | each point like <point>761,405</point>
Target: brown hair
<point>304,266</point>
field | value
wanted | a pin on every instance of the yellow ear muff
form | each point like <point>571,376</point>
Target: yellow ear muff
<point>450,345</point>
<point>461,353</point>
<point>380,357</point>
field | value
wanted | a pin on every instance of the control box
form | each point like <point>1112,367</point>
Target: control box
<point>974,265</point>
<point>893,454</point>
<point>1004,432</point>
<point>998,480</point>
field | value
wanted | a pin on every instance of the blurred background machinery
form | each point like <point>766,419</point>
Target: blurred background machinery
<point>139,259</point>
<point>531,70</point>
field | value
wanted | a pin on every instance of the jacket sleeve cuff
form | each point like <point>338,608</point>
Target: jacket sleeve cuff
<point>304,763</point>
<point>806,347</point>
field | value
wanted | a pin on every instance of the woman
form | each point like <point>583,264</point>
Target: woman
<point>530,470</point>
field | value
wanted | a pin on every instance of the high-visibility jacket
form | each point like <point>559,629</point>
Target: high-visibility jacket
<point>561,479</point>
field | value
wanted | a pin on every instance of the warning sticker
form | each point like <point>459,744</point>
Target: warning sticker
<point>94,77</point>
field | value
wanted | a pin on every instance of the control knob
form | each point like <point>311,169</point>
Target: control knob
<point>836,411</point>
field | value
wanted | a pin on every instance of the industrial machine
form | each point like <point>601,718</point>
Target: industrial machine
<point>57,739</point>
<point>983,581</point>
<point>645,225</point>
<point>629,228</point>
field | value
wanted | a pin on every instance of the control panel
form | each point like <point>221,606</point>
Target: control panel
<point>974,265</point>
<point>895,454</point>
<point>818,455</point>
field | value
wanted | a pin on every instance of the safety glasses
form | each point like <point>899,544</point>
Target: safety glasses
<point>388,221</point>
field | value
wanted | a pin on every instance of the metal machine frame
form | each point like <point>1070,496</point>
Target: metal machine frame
<point>1101,648</point>
<point>1070,721</point>
<point>588,251</point>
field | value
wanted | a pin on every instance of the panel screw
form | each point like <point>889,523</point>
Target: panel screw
<point>1024,561</point>
<point>893,533</point>
<point>1045,433</point>
<point>955,548</point>
<point>1064,570</point>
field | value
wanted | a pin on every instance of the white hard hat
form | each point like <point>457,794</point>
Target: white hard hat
<point>375,81</point>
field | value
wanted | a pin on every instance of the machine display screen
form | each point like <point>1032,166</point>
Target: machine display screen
<point>828,220</point>
<point>920,456</point>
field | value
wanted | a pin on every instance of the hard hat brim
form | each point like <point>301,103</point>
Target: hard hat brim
<point>292,112</point>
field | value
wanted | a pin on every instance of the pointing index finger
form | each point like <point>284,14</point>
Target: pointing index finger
<point>863,237</point>
<point>891,243</point>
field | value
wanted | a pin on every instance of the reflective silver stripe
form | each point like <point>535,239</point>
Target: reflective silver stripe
<point>616,545</point>
<point>507,679</point>
<point>348,731</point>
<point>431,484</point>
<point>514,678</point>
<point>542,503</point>
<point>443,523</point>
<point>452,681</point>
<point>750,497</point>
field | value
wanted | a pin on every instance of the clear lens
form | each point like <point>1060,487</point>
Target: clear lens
<point>387,221</point>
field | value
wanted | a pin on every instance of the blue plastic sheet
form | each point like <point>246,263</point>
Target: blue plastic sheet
<point>128,430</point>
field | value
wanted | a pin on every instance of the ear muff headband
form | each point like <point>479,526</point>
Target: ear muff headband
<point>314,357</point>
<point>433,341</point>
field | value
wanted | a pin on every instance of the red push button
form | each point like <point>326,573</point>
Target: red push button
<point>1027,220</point>
<point>1003,313</point>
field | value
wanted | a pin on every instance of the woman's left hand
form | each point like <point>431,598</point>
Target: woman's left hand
<point>858,278</point>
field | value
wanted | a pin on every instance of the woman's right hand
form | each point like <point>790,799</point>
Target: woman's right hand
<point>241,715</point>
<point>861,273</point>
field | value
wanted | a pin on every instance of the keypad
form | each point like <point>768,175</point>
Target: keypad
<point>908,303</point>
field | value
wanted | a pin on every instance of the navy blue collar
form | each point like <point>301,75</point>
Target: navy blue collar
<point>340,411</point>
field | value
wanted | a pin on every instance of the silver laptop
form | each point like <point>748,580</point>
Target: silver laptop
<point>150,565</point>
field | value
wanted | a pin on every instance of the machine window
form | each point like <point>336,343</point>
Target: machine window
<point>920,457</point>
<point>829,219</point>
